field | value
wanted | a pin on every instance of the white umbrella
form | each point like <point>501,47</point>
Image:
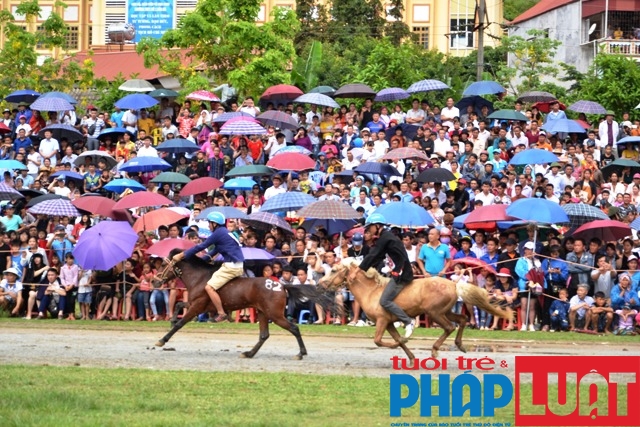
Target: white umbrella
<point>137,85</point>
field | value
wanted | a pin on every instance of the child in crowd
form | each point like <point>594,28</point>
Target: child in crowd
<point>486,319</point>
<point>145,289</point>
<point>600,315</point>
<point>625,320</point>
<point>69,278</point>
<point>559,312</point>
<point>85,292</point>
<point>464,276</point>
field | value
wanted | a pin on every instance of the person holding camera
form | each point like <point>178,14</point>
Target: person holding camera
<point>60,243</point>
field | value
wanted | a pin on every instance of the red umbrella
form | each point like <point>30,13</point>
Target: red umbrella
<point>607,230</point>
<point>292,162</point>
<point>405,153</point>
<point>154,219</point>
<point>4,128</point>
<point>142,199</point>
<point>279,92</point>
<point>485,217</point>
<point>163,247</point>
<point>95,204</point>
<point>545,107</point>
<point>200,185</point>
<point>474,263</point>
<point>203,95</point>
<point>584,124</point>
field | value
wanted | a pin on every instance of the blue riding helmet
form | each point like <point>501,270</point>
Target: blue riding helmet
<point>217,217</point>
<point>376,218</point>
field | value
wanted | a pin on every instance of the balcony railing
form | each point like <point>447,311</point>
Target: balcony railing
<point>620,47</point>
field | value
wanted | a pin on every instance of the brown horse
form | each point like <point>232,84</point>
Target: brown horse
<point>434,296</point>
<point>267,296</point>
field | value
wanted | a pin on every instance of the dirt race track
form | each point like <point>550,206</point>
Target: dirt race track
<point>219,351</point>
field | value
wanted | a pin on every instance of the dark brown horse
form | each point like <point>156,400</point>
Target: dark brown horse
<point>267,296</point>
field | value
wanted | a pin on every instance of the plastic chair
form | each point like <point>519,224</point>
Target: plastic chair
<point>330,319</point>
<point>252,315</point>
<point>304,317</point>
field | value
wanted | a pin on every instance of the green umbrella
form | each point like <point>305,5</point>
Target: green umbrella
<point>160,93</point>
<point>325,90</point>
<point>618,165</point>
<point>508,115</point>
<point>171,178</point>
<point>249,170</point>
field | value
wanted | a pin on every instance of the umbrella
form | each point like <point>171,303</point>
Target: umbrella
<point>242,127</point>
<point>409,131</point>
<point>154,219</point>
<point>9,193</point>
<point>113,133</point>
<point>405,215</point>
<point>537,210</point>
<point>281,92</point>
<point>289,201</point>
<point>164,247</point>
<point>4,129</point>
<point>317,99</point>
<point>171,178</point>
<point>324,90</point>
<point>477,101</point>
<point>249,170</point>
<point>256,254</point>
<point>607,230</point>
<point>355,90</point>
<point>51,104</point>
<point>581,213</point>
<point>105,245</point>
<point>120,185</point>
<point>618,165</point>
<point>587,107</point>
<point>200,185</point>
<point>293,149</point>
<point>278,119</point>
<point>136,85</point>
<point>95,156</point>
<point>27,192</point>
<point>533,156</point>
<point>60,131</point>
<point>203,95</point>
<point>405,153</point>
<point>144,164</point>
<point>328,209</point>
<point>333,226</point>
<point>163,93</point>
<point>239,184</point>
<point>485,87</point>
<point>436,175</point>
<point>427,86</point>
<point>536,96</point>
<point>266,221</point>
<point>70,99</point>
<point>67,175</point>
<point>55,207</point>
<point>475,263</point>
<point>136,101</point>
<point>224,117</point>
<point>178,145</point>
<point>292,162</point>
<point>508,115</point>
<point>26,95</point>
<point>227,211</point>
<point>564,126</point>
<point>44,197</point>
<point>97,205</point>
<point>391,94</point>
<point>376,168</point>
<point>635,224</point>
<point>628,140</point>
<point>142,199</point>
<point>244,119</point>
<point>486,217</point>
<point>545,106</point>
<point>11,165</point>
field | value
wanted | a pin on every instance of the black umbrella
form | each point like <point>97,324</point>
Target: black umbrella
<point>408,131</point>
<point>355,90</point>
<point>27,192</point>
<point>477,101</point>
<point>436,175</point>
<point>60,131</point>
<point>44,197</point>
<point>620,164</point>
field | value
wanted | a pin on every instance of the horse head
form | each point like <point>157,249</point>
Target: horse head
<point>170,270</point>
<point>339,274</point>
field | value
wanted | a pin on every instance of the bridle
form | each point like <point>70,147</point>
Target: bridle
<point>171,265</point>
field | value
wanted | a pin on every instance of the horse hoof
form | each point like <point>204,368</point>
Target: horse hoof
<point>434,354</point>
<point>160,343</point>
<point>297,357</point>
<point>462,348</point>
<point>246,355</point>
<point>403,340</point>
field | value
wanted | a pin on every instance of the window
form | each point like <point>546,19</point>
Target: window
<point>186,4</point>
<point>39,29</point>
<point>90,35</point>
<point>72,38</point>
<point>115,3</point>
<point>461,33</point>
<point>423,36</point>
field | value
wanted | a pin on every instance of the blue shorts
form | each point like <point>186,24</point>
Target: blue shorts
<point>84,298</point>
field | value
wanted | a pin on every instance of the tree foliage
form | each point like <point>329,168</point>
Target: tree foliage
<point>514,8</point>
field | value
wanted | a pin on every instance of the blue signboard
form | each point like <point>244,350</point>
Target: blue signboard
<point>150,17</point>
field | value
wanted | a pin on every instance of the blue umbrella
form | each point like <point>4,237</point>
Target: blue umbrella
<point>119,185</point>
<point>485,87</point>
<point>144,164</point>
<point>635,224</point>
<point>256,254</point>
<point>60,131</point>
<point>227,211</point>
<point>405,215</point>
<point>225,117</point>
<point>458,222</point>
<point>136,101</point>
<point>376,168</point>
<point>70,99</point>
<point>564,126</point>
<point>11,165</point>
<point>113,133</point>
<point>629,140</point>
<point>178,145</point>
<point>67,175</point>
<point>239,184</point>
<point>51,104</point>
<point>538,210</point>
<point>317,99</point>
<point>427,86</point>
<point>203,233</point>
<point>291,200</point>
<point>26,95</point>
<point>533,156</point>
<point>332,226</point>
<point>477,101</point>
<point>391,94</point>
<point>242,127</point>
<point>293,149</point>
<point>587,107</point>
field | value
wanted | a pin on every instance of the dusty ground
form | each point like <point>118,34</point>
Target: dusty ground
<point>213,351</point>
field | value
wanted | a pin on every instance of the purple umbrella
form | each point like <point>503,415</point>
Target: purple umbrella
<point>266,221</point>
<point>51,104</point>
<point>376,168</point>
<point>278,119</point>
<point>588,107</point>
<point>9,193</point>
<point>224,117</point>
<point>242,127</point>
<point>55,207</point>
<point>427,86</point>
<point>256,254</point>
<point>105,245</point>
<point>391,94</point>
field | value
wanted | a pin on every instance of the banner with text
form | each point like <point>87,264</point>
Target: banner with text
<point>151,18</point>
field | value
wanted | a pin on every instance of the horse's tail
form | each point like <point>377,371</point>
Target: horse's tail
<point>312,293</point>
<point>474,295</point>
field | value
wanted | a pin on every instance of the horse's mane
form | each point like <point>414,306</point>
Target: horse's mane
<point>371,273</point>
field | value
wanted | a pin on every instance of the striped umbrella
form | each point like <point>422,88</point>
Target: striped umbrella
<point>328,209</point>
<point>51,104</point>
<point>55,207</point>
<point>587,107</point>
<point>278,119</point>
<point>203,95</point>
<point>427,86</point>
<point>242,127</point>
<point>225,117</point>
<point>266,221</point>
<point>70,99</point>
<point>9,193</point>
<point>291,200</point>
<point>317,99</point>
<point>391,94</point>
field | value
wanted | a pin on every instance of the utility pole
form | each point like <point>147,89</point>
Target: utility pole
<point>482,6</point>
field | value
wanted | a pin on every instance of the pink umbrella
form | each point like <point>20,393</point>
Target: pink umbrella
<point>281,92</point>
<point>243,119</point>
<point>292,162</point>
<point>163,247</point>
<point>606,230</point>
<point>142,199</point>
<point>203,95</point>
<point>200,185</point>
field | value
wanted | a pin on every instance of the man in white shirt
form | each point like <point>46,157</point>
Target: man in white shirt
<point>608,130</point>
<point>381,146</point>
<point>49,147</point>
<point>249,107</point>
<point>275,189</point>
<point>130,121</point>
<point>69,156</point>
<point>147,150</point>
<point>94,125</point>
<point>556,178</point>
<point>350,162</point>
<point>23,125</point>
<point>448,113</point>
<point>550,194</point>
<point>485,195</point>
<point>168,127</point>
<point>518,138</point>
<point>415,116</point>
<point>313,112</point>
<point>441,144</point>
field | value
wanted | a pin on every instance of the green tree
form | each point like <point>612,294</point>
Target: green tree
<point>222,37</point>
<point>514,8</point>
<point>353,18</point>
<point>396,29</point>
